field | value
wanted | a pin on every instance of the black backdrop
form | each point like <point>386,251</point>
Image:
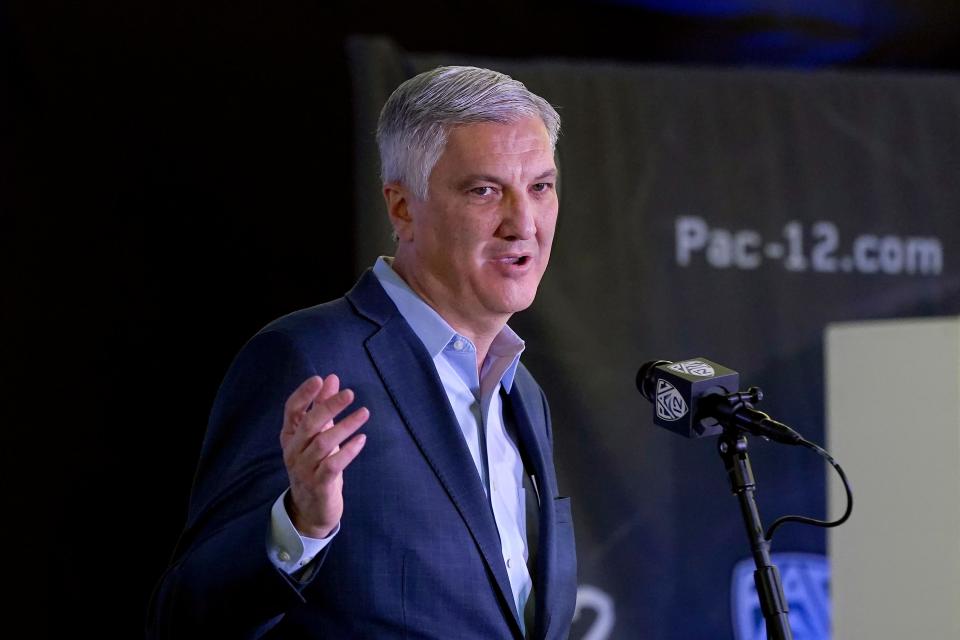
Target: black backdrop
<point>173,176</point>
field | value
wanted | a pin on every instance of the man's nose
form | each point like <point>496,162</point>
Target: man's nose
<point>519,219</point>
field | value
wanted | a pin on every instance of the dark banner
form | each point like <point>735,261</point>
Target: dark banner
<point>724,214</point>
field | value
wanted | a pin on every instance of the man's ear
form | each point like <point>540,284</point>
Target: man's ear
<point>398,200</point>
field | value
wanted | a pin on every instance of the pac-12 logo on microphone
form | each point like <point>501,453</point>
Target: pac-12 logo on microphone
<point>693,367</point>
<point>670,404</point>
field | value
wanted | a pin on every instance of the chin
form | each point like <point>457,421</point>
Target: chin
<point>518,301</point>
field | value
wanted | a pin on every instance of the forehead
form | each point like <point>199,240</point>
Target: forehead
<point>474,146</point>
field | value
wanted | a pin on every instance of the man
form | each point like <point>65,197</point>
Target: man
<point>442,519</point>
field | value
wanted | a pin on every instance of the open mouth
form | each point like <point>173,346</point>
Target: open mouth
<point>515,260</point>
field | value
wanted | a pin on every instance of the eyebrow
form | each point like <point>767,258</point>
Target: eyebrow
<point>482,177</point>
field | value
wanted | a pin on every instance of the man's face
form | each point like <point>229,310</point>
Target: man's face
<point>477,247</point>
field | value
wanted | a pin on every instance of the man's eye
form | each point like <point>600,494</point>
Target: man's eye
<point>482,191</point>
<point>542,186</point>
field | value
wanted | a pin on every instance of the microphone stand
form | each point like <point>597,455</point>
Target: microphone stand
<point>773,604</point>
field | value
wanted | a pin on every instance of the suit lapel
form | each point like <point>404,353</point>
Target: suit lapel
<point>535,458</point>
<point>411,380</point>
<point>531,442</point>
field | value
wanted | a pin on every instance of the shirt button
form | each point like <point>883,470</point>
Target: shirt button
<point>284,556</point>
<point>458,345</point>
<point>508,563</point>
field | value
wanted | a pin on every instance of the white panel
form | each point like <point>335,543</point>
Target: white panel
<point>893,422</point>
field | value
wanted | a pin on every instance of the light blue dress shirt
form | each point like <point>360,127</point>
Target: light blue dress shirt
<point>478,407</point>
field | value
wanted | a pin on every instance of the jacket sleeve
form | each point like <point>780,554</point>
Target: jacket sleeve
<point>220,582</point>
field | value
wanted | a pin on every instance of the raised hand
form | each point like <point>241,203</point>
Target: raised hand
<point>316,450</point>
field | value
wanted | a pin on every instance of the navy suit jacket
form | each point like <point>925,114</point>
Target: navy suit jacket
<point>418,554</point>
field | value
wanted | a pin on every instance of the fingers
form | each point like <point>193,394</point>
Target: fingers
<point>309,434</point>
<point>300,400</point>
<point>319,418</point>
<point>331,386</point>
<point>317,448</point>
<point>336,462</point>
<point>326,445</point>
<point>326,442</point>
<point>303,399</point>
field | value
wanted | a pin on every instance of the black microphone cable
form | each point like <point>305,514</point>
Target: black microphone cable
<point>813,521</point>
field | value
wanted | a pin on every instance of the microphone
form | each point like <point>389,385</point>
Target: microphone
<point>698,398</point>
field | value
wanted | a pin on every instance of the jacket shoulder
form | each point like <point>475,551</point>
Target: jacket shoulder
<point>296,322</point>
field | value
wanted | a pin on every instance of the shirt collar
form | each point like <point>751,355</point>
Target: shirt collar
<point>507,344</point>
<point>434,331</point>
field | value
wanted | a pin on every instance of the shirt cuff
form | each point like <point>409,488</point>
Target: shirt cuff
<point>286,548</point>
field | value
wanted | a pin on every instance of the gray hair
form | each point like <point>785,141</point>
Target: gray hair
<point>418,116</point>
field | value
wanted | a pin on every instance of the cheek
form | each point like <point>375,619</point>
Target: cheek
<point>469,235</point>
<point>546,228</point>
